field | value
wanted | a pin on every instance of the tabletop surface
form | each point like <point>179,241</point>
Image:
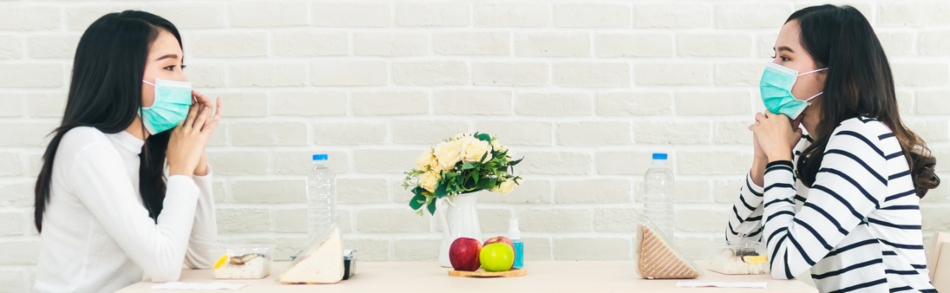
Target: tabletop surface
<point>543,276</point>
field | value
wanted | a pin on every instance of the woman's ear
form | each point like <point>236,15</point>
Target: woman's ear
<point>819,79</point>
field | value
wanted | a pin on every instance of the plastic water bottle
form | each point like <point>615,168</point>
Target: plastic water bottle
<point>321,197</point>
<point>658,205</point>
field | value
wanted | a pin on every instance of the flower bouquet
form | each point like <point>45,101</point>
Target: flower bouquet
<point>462,164</point>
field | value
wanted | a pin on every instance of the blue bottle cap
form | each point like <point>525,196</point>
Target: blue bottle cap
<point>659,156</point>
<point>320,157</point>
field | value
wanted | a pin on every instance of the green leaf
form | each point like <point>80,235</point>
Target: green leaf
<point>449,175</point>
<point>431,206</point>
<point>417,201</point>
<point>440,191</point>
<point>483,137</point>
<point>487,184</point>
<point>475,177</point>
<point>515,162</point>
<point>468,166</point>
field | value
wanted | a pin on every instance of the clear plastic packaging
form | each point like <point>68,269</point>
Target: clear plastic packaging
<point>742,258</point>
<point>243,262</point>
<point>658,258</point>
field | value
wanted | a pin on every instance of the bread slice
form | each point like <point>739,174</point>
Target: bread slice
<point>660,260</point>
<point>321,263</point>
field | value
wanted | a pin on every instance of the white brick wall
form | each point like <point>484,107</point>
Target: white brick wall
<point>584,90</point>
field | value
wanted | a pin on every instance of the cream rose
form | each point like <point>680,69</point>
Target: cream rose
<point>426,161</point>
<point>496,145</point>
<point>429,181</point>
<point>461,135</point>
<point>506,186</point>
<point>474,149</point>
<point>448,154</point>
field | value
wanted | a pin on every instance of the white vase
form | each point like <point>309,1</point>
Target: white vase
<point>457,217</point>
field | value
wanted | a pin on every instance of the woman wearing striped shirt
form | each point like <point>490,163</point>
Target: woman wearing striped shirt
<point>843,201</point>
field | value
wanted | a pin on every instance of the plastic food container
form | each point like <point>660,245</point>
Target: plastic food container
<point>349,264</point>
<point>743,258</point>
<point>244,262</point>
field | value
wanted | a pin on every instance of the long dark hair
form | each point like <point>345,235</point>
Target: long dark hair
<point>858,83</point>
<point>106,93</point>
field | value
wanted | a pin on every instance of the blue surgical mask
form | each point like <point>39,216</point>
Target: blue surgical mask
<point>172,99</point>
<point>776,89</point>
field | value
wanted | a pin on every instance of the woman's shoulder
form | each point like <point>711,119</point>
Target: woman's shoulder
<point>868,126</point>
<point>79,138</point>
<point>868,129</point>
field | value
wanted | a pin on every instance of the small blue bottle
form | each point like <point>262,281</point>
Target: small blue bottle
<point>515,235</point>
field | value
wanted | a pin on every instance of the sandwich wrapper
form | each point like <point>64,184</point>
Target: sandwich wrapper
<point>940,262</point>
<point>658,258</point>
<point>320,263</point>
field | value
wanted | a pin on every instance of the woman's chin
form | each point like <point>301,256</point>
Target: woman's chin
<point>797,124</point>
<point>798,121</point>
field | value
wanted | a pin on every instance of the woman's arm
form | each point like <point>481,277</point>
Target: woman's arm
<point>746,220</point>
<point>98,178</point>
<point>848,187</point>
<point>204,233</point>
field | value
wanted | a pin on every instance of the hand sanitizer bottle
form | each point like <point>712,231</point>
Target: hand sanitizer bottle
<point>515,235</point>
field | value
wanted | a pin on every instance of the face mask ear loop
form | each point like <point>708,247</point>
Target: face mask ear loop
<point>813,71</point>
<point>151,84</point>
<point>819,93</point>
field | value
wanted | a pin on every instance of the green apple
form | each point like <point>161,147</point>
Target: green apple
<point>497,257</point>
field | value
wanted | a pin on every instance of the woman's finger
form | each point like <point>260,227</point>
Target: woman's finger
<point>211,123</point>
<point>203,115</point>
<point>217,112</point>
<point>202,99</point>
<point>190,119</point>
<point>209,126</point>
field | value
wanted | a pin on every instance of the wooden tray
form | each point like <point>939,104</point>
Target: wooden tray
<point>480,273</point>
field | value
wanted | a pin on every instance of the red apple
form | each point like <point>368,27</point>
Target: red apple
<point>500,239</point>
<point>463,254</point>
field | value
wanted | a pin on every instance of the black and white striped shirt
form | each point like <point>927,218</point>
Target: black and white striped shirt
<point>857,229</point>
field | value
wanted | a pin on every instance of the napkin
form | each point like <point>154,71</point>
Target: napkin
<point>697,284</point>
<point>197,286</point>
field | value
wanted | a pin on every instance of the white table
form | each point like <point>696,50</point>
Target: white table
<point>547,276</point>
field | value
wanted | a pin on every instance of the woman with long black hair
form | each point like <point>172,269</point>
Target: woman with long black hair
<point>843,200</point>
<point>104,207</point>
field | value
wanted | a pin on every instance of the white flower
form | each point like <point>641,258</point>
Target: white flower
<point>427,161</point>
<point>448,154</point>
<point>429,180</point>
<point>474,149</point>
<point>506,186</point>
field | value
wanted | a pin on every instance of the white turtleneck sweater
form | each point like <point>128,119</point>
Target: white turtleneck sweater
<point>97,235</point>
